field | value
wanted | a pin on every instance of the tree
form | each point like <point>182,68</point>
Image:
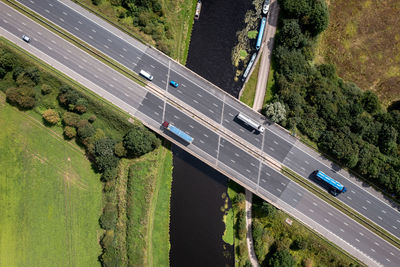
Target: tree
<point>268,209</point>
<point>7,60</point>
<point>51,116</point>
<point>276,112</point>
<point>2,72</point>
<point>139,141</point>
<point>120,150</point>
<point>81,105</point>
<point>104,154</point>
<point>46,89</point>
<point>290,34</point>
<point>282,258</point>
<point>370,102</point>
<point>69,132</point>
<point>318,18</point>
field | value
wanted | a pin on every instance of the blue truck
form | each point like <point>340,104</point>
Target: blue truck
<point>334,186</point>
<point>177,132</point>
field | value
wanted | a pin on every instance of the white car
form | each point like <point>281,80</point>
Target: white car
<point>265,7</point>
<point>26,38</point>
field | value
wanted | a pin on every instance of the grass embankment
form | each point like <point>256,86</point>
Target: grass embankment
<point>238,229</point>
<point>50,198</point>
<point>148,191</point>
<point>272,233</point>
<point>178,16</point>
<point>363,40</point>
<point>249,91</point>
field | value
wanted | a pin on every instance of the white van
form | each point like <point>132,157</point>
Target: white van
<point>147,75</point>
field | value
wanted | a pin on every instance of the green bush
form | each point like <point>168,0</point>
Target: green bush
<point>51,116</point>
<point>71,119</point>
<point>69,132</point>
<point>109,174</point>
<point>104,154</point>
<point>109,217</point>
<point>281,258</point>
<point>85,129</point>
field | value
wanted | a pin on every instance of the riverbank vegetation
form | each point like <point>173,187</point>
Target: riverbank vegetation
<point>282,241</point>
<point>165,24</point>
<point>246,39</point>
<point>249,91</point>
<point>363,41</point>
<point>108,139</point>
<point>346,123</point>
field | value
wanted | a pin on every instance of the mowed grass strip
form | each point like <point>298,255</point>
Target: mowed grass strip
<point>148,202</point>
<point>50,199</point>
<point>249,91</point>
<point>363,40</point>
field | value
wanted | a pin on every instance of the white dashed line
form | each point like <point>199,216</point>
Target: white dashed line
<point>353,191</point>
<point>380,218</point>
<point>76,28</point>
<point>65,13</point>
<point>19,29</point>
<point>183,85</point>
<point>138,58</point>
<point>391,253</point>
<point>152,66</point>
<point>54,42</point>
<point>315,204</point>
<point>303,169</point>
<point>341,230</point>
<point>96,76</point>
<point>176,117</point>
<point>283,184</point>
<point>111,85</point>
<point>93,30</point>
<point>295,200</point>
<point>271,148</point>
<point>387,259</point>
<point>364,207</point>
<point>212,111</point>
<point>91,37</point>
<point>124,49</point>
<point>39,33</point>
<point>276,143</point>
<point>126,94</point>
<point>195,101</point>
<point>236,154</point>
<point>199,95</point>
<point>394,227</point>
<point>330,213</point>
<point>8,14</point>
<point>230,114</point>
<point>109,40</point>
<point>369,202</point>
<point>326,220</point>
<point>248,170</point>
<point>121,55</point>
<point>373,250</point>
<point>358,240</point>
<point>348,197</point>
<point>267,173</point>
<point>179,91</point>
<point>345,223</point>
<point>106,46</point>
<point>191,126</point>
<point>291,153</point>
<point>80,66</point>
<point>215,105</point>
<point>233,161</point>
<point>252,164</point>
<point>384,211</point>
<point>48,11</point>
<point>50,48</point>
<point>5,21</point>
<point>361,234</point>
<point>376,243</point>
<point>299,193</point>
<point>155,112</point>
<point>206,136</point>
<point>306,162</point>
<point>263,180</point>
<point>311,210</point>
<point>201,141</point>
<point>65,57</point>
<point>80,22</point>
<point>69,51</point>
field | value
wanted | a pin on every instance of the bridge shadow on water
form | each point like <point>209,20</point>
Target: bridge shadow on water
<point>196,226</point>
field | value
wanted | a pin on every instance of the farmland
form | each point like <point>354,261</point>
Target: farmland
<point>50,198</point>
<point>363,40</point>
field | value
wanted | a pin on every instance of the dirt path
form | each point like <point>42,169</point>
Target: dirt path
<point>249,235</point>
<point>266,48</point>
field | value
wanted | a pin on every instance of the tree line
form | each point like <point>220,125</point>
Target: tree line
<point>345,122</point>
<point>28,87</point>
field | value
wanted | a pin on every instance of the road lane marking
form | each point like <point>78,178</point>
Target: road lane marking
<point>361,234</point>
<point>248,170</point>
<point>195,101</point>
<point>345,223</point>
<point>121,55</point>
<point>215,105</point>
<point>326,220</point>
<point>380,218</point>
<point>233,161</point>
<point>48,11</point>
<point>65,13</point>
<point>276,143</point>
<point>358,240</point>
<point>106,46</point>
<point>280,191</point>
<point>315,204</point>
<point>271,148</point>
<point>199,95</point>
<point>283,184</point>
<point>80,22</point>
<point>394,227</point>
<point>311,210</point>
<point>124,49</point>
<point>341,230</point>
<point>384,211</point>
<point>306,162</point>
<point>267,173</point>
<point>109,40</point>
<point>369,202</point>
<point>330,213</point>
<point>93,30</point>
<point>364,207</point>
<point>348,197</point>
<point>152,66</point>
<point>91,37</point>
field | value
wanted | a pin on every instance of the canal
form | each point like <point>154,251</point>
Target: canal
<point>196,226</point>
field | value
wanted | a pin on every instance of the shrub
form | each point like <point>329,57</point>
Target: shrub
<point>120,150</point>
<point>109,174</point>
<point>92,118</point>
<point>71,119</point>
<point>281,258</point>
<point>51,116</point>
<point>85,129</point>
<point>298,244</point>
<point>69,132</point>
<point>46,89</point>
<point>7,60</point>
<point>2,72</point>
<point>108,219</point>
<point>276,112</point>
<point>81,105</point>
<point>104,154</point>
<point>23,97</point>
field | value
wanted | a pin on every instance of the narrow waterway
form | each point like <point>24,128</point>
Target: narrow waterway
<point>196,227</point>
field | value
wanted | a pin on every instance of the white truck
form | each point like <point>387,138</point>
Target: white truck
<point>250,122</point>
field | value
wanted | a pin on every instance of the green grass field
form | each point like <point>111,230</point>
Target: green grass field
<point>50,199</point>
<point>249,91</point>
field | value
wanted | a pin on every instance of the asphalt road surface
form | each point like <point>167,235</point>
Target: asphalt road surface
<point>212,103</point>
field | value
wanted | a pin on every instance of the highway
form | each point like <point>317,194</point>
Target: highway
<point>151,106</point>
<point>208,100</point>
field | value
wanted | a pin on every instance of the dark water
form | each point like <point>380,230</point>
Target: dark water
<point>213,38</point>
<point>196,226</point>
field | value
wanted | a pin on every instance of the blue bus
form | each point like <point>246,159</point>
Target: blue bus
<point>261,33</point>
<point>334,186</point>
